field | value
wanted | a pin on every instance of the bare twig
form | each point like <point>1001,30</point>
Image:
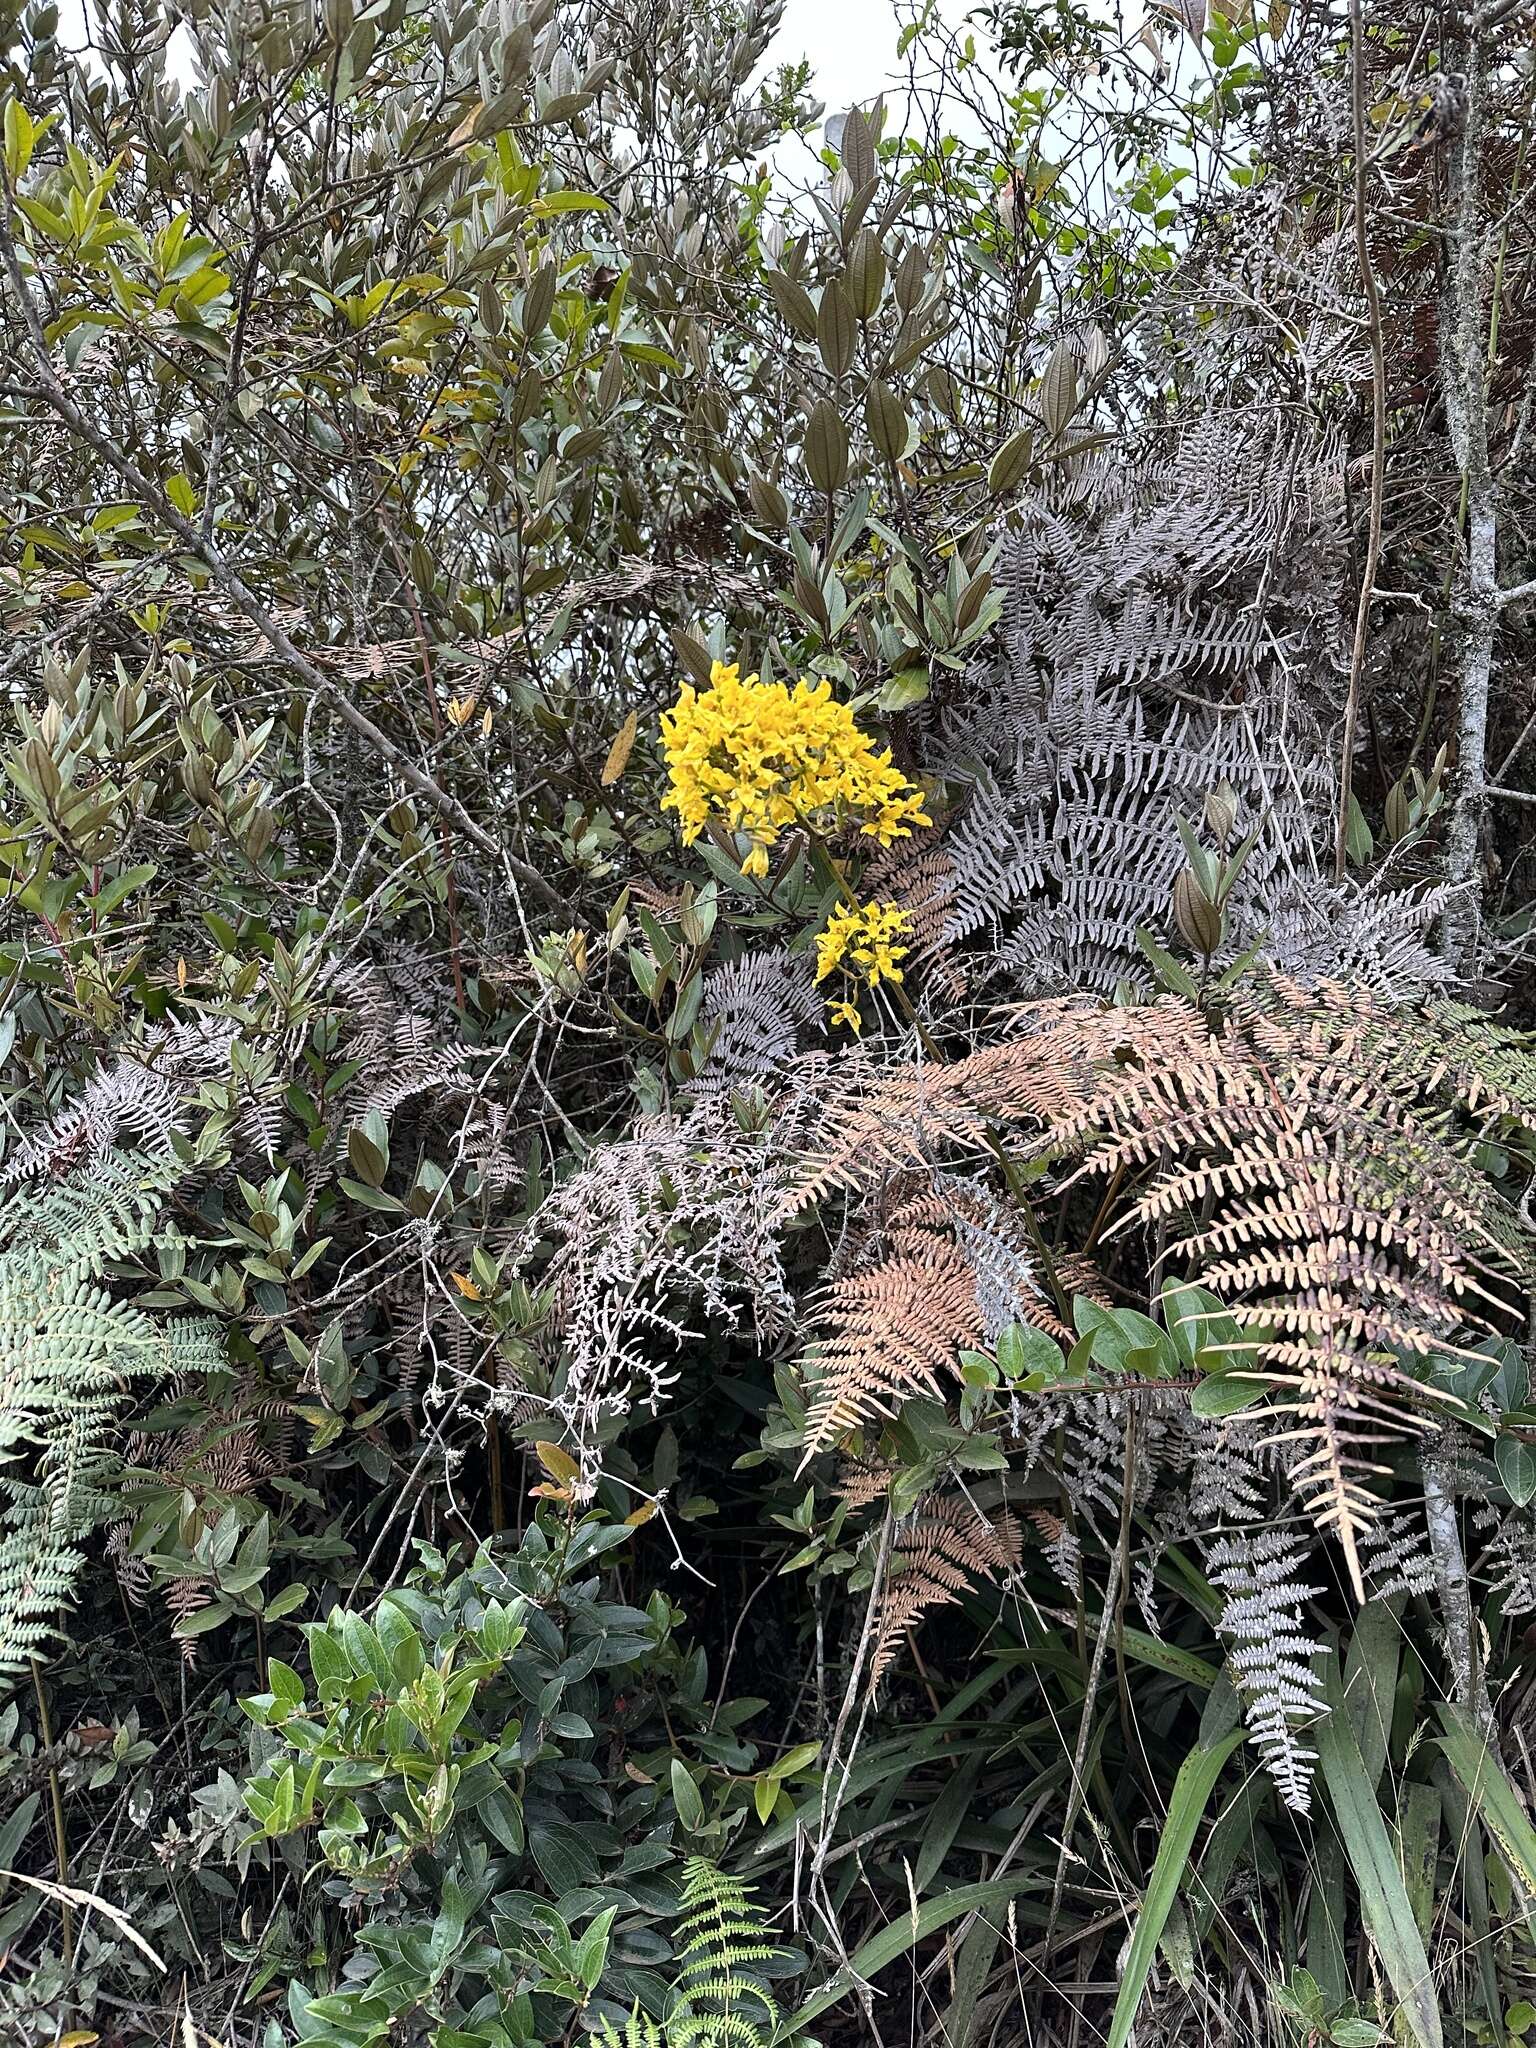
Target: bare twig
<point>1378,441</point>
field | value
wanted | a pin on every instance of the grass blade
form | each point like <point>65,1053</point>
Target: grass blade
<point>1492,1797</point>
<point>1192,1790</point>
<point>906,1932</point>
<point>1384,1902</point>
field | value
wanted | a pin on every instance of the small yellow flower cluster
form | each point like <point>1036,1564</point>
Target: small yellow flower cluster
<point>763,757</point>
<point>862,942</point>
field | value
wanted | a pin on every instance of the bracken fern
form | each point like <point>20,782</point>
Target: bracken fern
<point>68,1353</point>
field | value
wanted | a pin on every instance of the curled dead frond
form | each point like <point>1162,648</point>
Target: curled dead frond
<point>944,1550</point>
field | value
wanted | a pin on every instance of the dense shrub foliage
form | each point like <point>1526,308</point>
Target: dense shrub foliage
<point>767,1085</point>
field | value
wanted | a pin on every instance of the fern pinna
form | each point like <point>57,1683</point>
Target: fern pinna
<point>719,2000</point>
<point>68,1353</point>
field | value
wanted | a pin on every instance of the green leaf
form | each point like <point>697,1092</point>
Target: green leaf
<point>569,202</point>
<point>564,1855</point>
<point>1198,1323</point>
<point>1384,1902</point>
<point>448,1928</point>
<point>1370,1682</point>
<point>1169,1657</point>
<point>204,1619</point>
<point>794,303</point>
<point>690,1807</point>
<point>1022,1349</point>
<point>327,1658</point>
<point>1192,1789</point>
<point>886,418</point>
<point>112,893</point>
<point>1358,842</point>
<point>908,686</point>
<point>1492,1796</point>
<point>905,1932</point>
<point>1517,1469</point>
<point>1171,972</point>
<point>285,1684</point>
<point>1058,389</point>
<point>16,1828</point>
<point>502,1817</point>
<point>1227,1393</point>
<point>826,447</point>
<point>365,1653</point>
<point>1011,464</point>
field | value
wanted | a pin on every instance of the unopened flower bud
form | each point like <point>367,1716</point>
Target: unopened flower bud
<point>1199,920</point>
<point>1221,811</point>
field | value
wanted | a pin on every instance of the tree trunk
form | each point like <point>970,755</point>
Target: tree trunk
<point>1475,606</point>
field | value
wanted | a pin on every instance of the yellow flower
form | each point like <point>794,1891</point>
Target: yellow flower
<point>762,758</point>
<point>846,1013</point>
<point>861,941</point>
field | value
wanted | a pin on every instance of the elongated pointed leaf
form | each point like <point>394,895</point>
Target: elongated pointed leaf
<point>1192,1790</point>
<point>1384,1902</point>
<point>1493,1799</point>
<point>905,1932</point>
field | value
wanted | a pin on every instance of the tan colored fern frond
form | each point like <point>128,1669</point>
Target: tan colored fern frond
<point>890,1333</point>
<point>945,1550</point>
<point>862,1481</point>
<point>1311,1158</point>
<point>1064,1057</point>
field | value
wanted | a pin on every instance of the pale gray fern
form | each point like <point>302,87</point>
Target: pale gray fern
<point>1507,1567</point>
<point>1273,1659</point>
<point>127,1101</point>
<point>1394,1555</point>
<point>68,1354</point>
<point>683,1216</point>
<point>1152,630</point>
<point>1007,1278</point>
<point>754,1010</point>
<point>1230,1470</point>
<point>1379,938</point>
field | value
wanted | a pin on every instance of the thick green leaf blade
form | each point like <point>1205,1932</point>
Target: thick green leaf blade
<point>1467,1834</point>
<point>1370,1682</point>
<point>1491,1795</point>
<point>1384,1902</point>
<point>1192,1790</point>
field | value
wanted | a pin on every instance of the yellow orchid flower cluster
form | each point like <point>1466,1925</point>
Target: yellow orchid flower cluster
<point>861,941</point>
<point>763,757</point>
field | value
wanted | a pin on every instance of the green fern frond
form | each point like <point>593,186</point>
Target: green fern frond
<point>638,2031</point>
<point>720,2002</point>
<point>107,1213</point>
<point>69,1353</point>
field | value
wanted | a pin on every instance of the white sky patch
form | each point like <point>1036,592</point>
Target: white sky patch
<point>851,44</point>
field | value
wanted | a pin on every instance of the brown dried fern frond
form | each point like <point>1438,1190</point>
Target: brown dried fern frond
<point>1063,1055</point>
<point>891,1332</point>
<point>1310,1157</point>
<point>946,1549</point>
<point>861,1482</point>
